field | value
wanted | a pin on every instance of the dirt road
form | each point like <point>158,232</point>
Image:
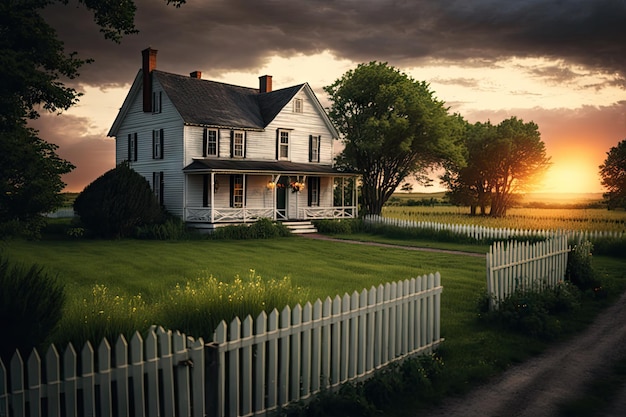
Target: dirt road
<point>535,388</point>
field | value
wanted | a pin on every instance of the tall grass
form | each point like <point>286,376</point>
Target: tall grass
<point>517,218</point>
<point>195,308</point>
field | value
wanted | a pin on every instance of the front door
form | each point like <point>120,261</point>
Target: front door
<point>281,198</point>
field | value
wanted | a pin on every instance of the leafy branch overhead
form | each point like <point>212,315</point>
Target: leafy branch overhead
<point>33,65</point>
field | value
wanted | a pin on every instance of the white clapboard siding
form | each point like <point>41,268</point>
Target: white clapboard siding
<point>161,375</point>
<point>290,355</point>
<point>484,233</point>
<point>521,266</point>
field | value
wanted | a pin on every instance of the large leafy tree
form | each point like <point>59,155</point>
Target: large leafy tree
<point>613,175</point>
<point>392,127</point>
<point>502,161</point>
<point>33,63</point>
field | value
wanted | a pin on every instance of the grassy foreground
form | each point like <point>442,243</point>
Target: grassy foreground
<point>472,351</point>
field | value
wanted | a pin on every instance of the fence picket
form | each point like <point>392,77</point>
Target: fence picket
<point>121,376</point>
<point>104,377</point>
<point>53,382</point>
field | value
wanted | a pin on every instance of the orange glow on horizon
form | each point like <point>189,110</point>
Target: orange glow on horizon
<point>573,176</point>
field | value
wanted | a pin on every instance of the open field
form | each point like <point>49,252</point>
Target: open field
<point>518,218</point>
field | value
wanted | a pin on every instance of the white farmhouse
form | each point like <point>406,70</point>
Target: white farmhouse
<point>219,154</point>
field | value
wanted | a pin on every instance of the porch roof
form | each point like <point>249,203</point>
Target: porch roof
<point>199,166</point>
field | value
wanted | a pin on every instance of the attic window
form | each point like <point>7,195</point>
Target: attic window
<point>157,101</point>
<point>297,105</point>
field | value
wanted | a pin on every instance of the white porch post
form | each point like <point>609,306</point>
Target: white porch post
<point>275,179</point>
<point>212,197</point>
<point>243,197</point>
<point>355,197</point>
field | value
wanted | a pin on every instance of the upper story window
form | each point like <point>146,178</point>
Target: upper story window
<point>238,144</point>
<point>297,105</point>
<point>283,144</point>
<point>157,101</point>
<point>209,142</point>
<point>314,148</point>
<point>132,147</point>
<point>157,144</point>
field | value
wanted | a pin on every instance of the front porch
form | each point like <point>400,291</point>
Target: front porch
<point>217,196</point>
<point>246,214</point>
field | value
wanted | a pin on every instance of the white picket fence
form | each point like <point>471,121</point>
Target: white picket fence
<point>162,375</point>
<point>483,233</point>
<point>249,368</point>
<point>273,360</point>
<point>513,266</point>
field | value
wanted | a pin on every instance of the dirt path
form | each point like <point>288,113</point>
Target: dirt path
<point>536,387</point>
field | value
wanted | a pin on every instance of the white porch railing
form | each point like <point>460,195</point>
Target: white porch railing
<point>307,213</point>
<point>246,214</point>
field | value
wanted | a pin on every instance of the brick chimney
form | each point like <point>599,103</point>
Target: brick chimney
<point>265,84</point>
<point>149,56</point>
<point>195,74</point>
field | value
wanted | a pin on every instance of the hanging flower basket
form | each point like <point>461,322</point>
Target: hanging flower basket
<point>296,186</point>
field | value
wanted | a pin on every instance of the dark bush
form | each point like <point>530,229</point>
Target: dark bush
<point>610,247</point>
<point>533,312</point>
<point>261,229</point>
<point>580,270</point>
<point>31,304</point>
<point>414,377</point>
<point>118,202</point>
<point>396,232</point>
<point>173,228</point>
<point>337,227</point>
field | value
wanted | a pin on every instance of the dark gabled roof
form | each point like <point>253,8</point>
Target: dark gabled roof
<point>211,103</point>
<point>243,165</point>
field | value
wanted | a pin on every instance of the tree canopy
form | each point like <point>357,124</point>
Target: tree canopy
<point>613,175</point>
<point>502,161</point>
<point>392,127</point>
<point>33,63</point>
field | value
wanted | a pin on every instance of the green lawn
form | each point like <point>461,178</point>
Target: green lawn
<point>150,267</point>
<point>472,351</point>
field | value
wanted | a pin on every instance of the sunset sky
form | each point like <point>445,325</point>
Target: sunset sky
<point>559,63</point>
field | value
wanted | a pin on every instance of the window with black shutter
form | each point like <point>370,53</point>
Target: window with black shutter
<point>313,190</point>
<point>314,148</point>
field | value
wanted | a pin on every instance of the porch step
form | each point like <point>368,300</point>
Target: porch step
<point>300,227</point>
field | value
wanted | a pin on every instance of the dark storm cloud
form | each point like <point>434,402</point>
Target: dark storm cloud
<point>92,154</point>
<point>214,36</point>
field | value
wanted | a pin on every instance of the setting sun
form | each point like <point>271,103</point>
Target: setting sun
<point>571,177</point>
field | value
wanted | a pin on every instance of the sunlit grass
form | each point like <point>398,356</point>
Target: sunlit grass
<point>517,218</point>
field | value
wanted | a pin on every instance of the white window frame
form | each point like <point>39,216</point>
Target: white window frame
<point>238,185</point>
<point>157,151</point>
<point>298,105</point>
<point>239,148</point>
<point>315,146</point>
<point>157,97</point>
<point>215,133</point>
<point>283,144</point>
